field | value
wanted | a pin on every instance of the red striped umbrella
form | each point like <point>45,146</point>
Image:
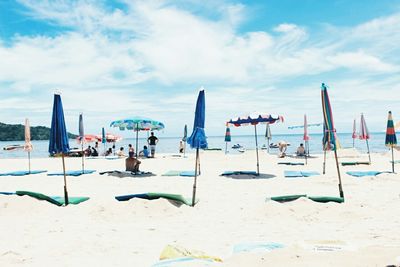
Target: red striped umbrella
<point>364,134</point>
<point>330,141</point>
<point>391,139</point>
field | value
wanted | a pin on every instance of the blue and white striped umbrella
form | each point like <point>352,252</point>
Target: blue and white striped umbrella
<point>138,124</point>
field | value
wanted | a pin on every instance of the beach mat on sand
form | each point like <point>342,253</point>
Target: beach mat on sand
<point>122,174</point>
<point>179,173</point>
<point>56,200</point>
<point>71,173</point>
<point>364,173</point>
<point>321,199</point>
<point>7,193</point>
<point>352,163</point>
<point>291,163</point>
<point>256,247</point>
<point>294,174</point>
<point>22,173</point>
<point>151,196</point>
<point>229,173</point>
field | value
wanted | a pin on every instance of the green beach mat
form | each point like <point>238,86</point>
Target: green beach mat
<point>151,196</point>
<point>352,163</point>
<point>57,200</point>
<point>321,199</point>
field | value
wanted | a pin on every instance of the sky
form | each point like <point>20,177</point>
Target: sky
<point>116,59</point>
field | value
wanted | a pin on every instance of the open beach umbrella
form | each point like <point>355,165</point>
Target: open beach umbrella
<point>184,138</point>
<point>254,119</point>
<point>138,124</point>
<point>268,135</point>
<point>354,134</point>
<point>364,134</point>
<point>28,147</point>
<point>391,139</point>
<point>227,138</point>
<point>58,143</point>
<point>198,137</point>
<point>306,138</point>
<point>82,140</point>
<point>330,141</point>
<point>87,138</point>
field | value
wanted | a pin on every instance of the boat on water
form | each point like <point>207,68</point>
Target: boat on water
<point>241,150</point>
<point>236,146</point>
<point>13,147</point>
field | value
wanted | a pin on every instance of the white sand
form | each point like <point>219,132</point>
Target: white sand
<point>363,231</point>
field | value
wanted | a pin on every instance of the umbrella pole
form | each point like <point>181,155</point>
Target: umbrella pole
<point>226,147</point>
<point>323,165</point>
<point>268,145</point>
<point>29,161</point>
<point>392,160</point>
<point>137,138</point>
<point>195,178</point>
<point>255,135</point>
<point>83,159</point>
<point>184,149</point>
<point>65,181</point>
<point>353,142</point>
<point>340,180</point>
<point>369,154</point>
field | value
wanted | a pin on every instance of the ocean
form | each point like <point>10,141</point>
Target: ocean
<point>171,144</point>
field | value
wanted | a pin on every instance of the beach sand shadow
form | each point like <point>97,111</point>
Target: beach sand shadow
<point>250,176</point>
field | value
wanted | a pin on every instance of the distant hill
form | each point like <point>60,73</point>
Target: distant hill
<point>16,132</point>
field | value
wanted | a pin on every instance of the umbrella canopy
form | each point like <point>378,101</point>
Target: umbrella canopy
<point>306,137</point>
<point>58,133</point>
<point>59,137</point>
<point>138,124</point>
<point>87,138</point>
<point>364,133</point>
<point>198,137</point>
<point>268,134</point>
<point>109,137</point>
<point>391,139</point>
<point>81,130</point>
<point>184,138</point>
<point>228,134</point>
<point>354,134</point>
<point>103,136</point>
<point>28,145</point>
<point>330,141</point>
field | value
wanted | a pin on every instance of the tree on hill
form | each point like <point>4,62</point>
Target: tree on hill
<point>16,132</point>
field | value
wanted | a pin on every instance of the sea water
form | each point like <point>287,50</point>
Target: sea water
<point>171,144</point>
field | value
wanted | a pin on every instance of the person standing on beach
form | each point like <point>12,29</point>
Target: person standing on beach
<point>152,141</point>
<point>131,151</point>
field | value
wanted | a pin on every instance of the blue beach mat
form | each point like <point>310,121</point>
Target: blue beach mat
<point>183,261</point>
<point>228,173</point>
<point>294,174</point>
<point>71,173</point>
<point>21,173</point>
<point>7,193</point>
<point>179,173</point>
<point>364,173</point>
<point>291,163</point>
<point>256,247</point>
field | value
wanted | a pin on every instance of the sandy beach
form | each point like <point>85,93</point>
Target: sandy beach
<point>362,231</point>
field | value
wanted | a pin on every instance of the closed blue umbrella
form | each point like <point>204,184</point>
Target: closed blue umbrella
<point>58,143</point>
<point>82,140</point>
<point>103,139</point>
<point>184,139</point>
<point>198,137</point>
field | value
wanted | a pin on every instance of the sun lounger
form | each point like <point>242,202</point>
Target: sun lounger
<point>352,163</point>
<point>256,247</point>
<point>122,174</point>
<point>22,173</point>
<point>179,173</point>
<point>291,163</point>
<point>294,174</point>
<point>71,173</point>
<point>364,173</point>
<point>151,196</point>
<point>56,200</point>
<point>321,199</point>
<point>229,173</point>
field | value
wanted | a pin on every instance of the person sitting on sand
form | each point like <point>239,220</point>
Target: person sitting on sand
<point>144,153</point>
<point>88,151</point>
<point>108,152</point>
<point>300,150</point>
<point>120,153</point>
<point>282,149</point>
<point>180,146</point>
<point>132,164</point>
<point>94,152</point>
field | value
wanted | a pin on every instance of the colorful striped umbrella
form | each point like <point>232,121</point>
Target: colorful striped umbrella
<point>28,147</point>
<point>391,140</point>
<point>364,134</point>
<point>330,141</point>
<point>227,137</point>
<point>354,134</point>
<point>254,119</point>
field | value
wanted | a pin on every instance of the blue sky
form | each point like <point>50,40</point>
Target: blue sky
<point>117,59</point>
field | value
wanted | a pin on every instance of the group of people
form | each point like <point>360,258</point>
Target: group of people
<point>283,146</point>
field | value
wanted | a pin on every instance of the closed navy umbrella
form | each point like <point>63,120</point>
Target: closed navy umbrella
<point>82,140</point>
<point>198,137</point>
<point>58,143</point>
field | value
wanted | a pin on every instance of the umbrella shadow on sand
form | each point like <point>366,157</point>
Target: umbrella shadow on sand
<point>251,177</point>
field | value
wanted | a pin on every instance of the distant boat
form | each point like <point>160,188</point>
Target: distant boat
<point>236,146</point>
<point>13,147</point>
<point>242,150</point>
<point>264,146</point>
